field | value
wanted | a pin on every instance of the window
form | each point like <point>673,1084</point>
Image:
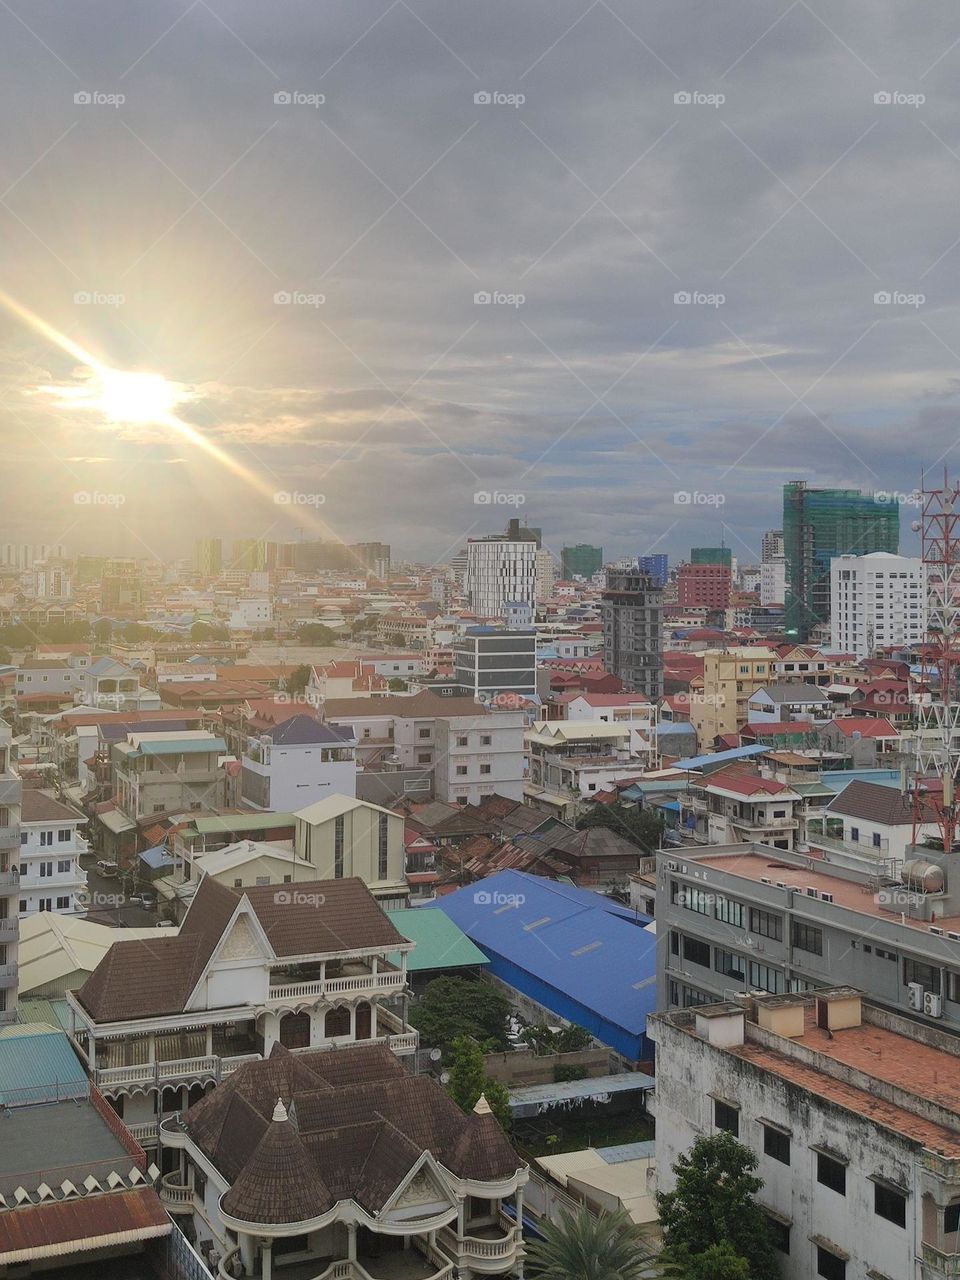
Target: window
<point>776,1144</point>
<point>832,1173</point>
<point>23,906</point>
<point>729,912</point>
<point>423,757</point>
<point>876,839</point>
<point>46,837</point>
<point>64,903</point>
<point>674,942</point>
<point>63,864</point>
<point>462,740</point>
<point>423,733</point>
<point>383,847</point>
<point>485,740</point>
<point>890,1204</point>
<point>806,937</point>
<point>726,1117</point>
<point>855,834</point>
<point>338,847</point>
<point>951,1219</point>
<point>925,974</point>
<point>766,924</point>
<point>694,900</point>
<point>238,884</point>
<point>46,869</point>
<point>763,977</point>
<point>779,1234</point>
<point>696,952</point>
<point>461,770</point>
<point>24,835</point>
<point>829,1266</point>
<point>63,835</point>
<point>261,880</point>
<point>729,964</point>
<point>485,768</point>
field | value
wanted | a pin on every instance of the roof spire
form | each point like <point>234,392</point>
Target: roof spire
<point>280,1111</point>
<point>482,1107</point>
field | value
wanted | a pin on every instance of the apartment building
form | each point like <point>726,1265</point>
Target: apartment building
<point>109,684</point>
<point>773,582</point>
<point>852,1115</point>
<point>499,570</point>
<point>704,586</point>
<point>775,703</point>
<point>729,677</point>
<point>632,612</point>
<point>876,601</point>
<point>50,849</point>
<point>168,772</point>
<point>340,837</point>
<point>743,917</point>
<point>493,660</point>
<point>350,1166</point>
<point>731,804</point>
<point>297,762</point>
<point>569,761</point>
<point>309,965</point>
<point>10,800</point>
<point>479,756</point>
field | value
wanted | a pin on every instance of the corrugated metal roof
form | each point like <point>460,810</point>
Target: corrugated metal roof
<point>37,1063</point>
<point>441,944</point>
<point>75,1226</point>
<point>220,824</point>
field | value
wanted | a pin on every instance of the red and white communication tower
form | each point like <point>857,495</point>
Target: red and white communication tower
<point>937,771</point>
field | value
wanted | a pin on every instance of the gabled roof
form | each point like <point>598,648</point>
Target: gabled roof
<point>865,726</point>
<point>791,693</point>
<point>886,806</point>
<point>35,806</point>
<point>302,730</point>
<point>744,784</point>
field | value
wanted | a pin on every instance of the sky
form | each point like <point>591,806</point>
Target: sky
<point>416,266</point>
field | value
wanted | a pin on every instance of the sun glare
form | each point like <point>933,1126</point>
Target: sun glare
<point>133,397</point>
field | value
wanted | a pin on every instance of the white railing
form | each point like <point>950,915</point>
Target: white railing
<point>372,983</point>
<point>226,1264</point>
<point>174,1193</point>
<point>475,1247</point>
<point>405,1043</point>
<point>229,1065</point>
<point>146,1071</point>
<point>145,1132</point>
<point>8,929</point>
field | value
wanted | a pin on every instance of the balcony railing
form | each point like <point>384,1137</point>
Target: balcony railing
<point>372,983</point>
<point>11,790</point>
<point>9,837</point>
<point>8,975</point>
<point>9,880</point>
<point>157,1072</point>
<point>945,1264</point>
<point>174,1196</point>
<point>479,1249</point>
<point>147,1132</point>
<point>8,929</point>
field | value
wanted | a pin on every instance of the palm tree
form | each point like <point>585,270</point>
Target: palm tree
<point>583,1247</point>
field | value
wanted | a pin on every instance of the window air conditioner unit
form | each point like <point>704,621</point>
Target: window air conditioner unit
<point>781,884</point>
<point>916,995</point>
<point>954,937</point>
<point>932,1005</point>
<point>826,897</point>
<point>811,892</point>
<point>765,880</point>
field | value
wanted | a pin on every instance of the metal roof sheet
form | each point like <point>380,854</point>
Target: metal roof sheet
<point>441,944</point>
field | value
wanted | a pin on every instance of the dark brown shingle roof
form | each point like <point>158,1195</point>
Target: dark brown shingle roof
<point>280,1182</point>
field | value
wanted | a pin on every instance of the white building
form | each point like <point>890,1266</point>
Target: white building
<point>50,848</point>
<point>498,571</point>
<point>851,1112</point>
<point>773,581</point>
<point>297,762</point>
<point>249,615</point>
<point>546,571</point>
<point>478,756</point>
<point>10,795</point>
<point>876,601</point>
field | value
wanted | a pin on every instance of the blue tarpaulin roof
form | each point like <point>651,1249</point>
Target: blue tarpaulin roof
<point>156,857</point>
<point>719,757</point>
<point>577,953</point>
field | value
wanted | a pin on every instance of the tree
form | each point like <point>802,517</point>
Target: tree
<point>396,685</point>
<point>395,640</point>
<point>454,1007</point>
<point>719,1262</point>
<point>583,1247</point>
<point>102,631</point>
<point>298,680</point>
<point>641,827</point>
<point>712,1204</point>
<point>468,1080</point>
<point>316,633</point>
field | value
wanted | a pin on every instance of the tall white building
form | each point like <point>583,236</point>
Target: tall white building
<point>876,600</point>
<point>497,571</point>
<point>773,581</point>
<point>546,571</point>
<point>50,849</point>
<point>771,545</point>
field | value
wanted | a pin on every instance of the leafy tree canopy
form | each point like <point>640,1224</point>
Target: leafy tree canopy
<point>454,1007</point>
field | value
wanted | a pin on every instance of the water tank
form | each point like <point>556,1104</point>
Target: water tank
<point>924,877</point>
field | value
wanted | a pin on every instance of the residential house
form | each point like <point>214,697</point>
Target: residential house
<point>168,772</point>
<point>775,703</point>
<point>110,684</point>
<point>340,837</point>
<point>50,849</point>
<point>734,804</point>
<point>874,822</point>
<point>572,760</point>
<point>298,761</point>
<point>161,1020</point>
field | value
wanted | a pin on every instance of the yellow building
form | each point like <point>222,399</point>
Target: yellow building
<point>730,676</point>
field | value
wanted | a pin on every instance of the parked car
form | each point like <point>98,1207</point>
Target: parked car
<point>108,869</point>
<point>145,900</point>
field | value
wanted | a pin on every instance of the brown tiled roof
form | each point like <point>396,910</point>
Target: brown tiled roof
<point>42,1230</point>
<point>38,807</point>
<point>151,977</point>
<point>362,1121</point>
<point>887,806</point>
<point>420,705</point>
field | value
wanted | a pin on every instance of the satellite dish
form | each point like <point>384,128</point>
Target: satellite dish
<point>444,1077</point>
<point>435,1055</point>
<point>916,526</point>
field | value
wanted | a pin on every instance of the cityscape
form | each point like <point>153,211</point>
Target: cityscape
<point>479,641</point>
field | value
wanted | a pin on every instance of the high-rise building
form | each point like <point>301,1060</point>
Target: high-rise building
<point>771,546</point>
<point>581,561</point>
<point>249,554</point>
<point>632,612</point>
<point>489,661</point>
<point>655,567</point>
<point>374,557</point>
<point>10,797</point>
<point>121,587</point>
<point>546,571</point>
<point>818,525</point>
<point>499,570</point>
<point>773,581</point>
<point>876,601</point>
<point>705,585</point>
<point>208,557</point>
<point>517,532</point>
<point>712,555</point>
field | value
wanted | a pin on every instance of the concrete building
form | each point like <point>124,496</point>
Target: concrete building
<point>107,683</point>
<point>704,586</point>
<point>581,561</point>
<point>656,567</point>
<point>208,557</point>
<point>492,660</point>
<point>305,965</point>
<point>479,757</point>
<point>251,615</point>
<point>632,611</point>
<point>876,601</point>
<point>771,546</point>
<point>773,582</point>
<point>10,800</point>
<point>499,570</point>
<point>169,772</point>
<point>297,762</point>
<point>121,588</point>
<point>743,917</point>
<point>852,1115</point>
<point>341,837</point>
<point>50,849</point>
<point>775,703</point>
<point>572,760</point>
<point>730,676</point>
<point>545,568</point>
<point>728,805</point>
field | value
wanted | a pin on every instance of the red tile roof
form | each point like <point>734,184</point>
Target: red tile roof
<point>866,726</point>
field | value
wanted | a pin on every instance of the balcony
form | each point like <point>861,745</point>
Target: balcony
<point>401,1264</point>
<point>145,1133</point>
<point>8,930</point>
<point>9,837</point>
<point>8,975</point>
<point>9,880</point>
<point>174,1196</point>
<point>769,824</point>
<point>11,788</point>
<point>489,1249</point>
<point>362,984</point>
<point>945,1264</point>
<point>157,1072</point>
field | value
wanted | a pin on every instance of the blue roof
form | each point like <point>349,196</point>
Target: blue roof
<point>718,757</point>
<point>577,953</point>
<point>156,857</point>
<point>38,1065</point>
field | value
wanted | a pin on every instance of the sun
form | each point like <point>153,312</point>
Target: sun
<point>132,397</point>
